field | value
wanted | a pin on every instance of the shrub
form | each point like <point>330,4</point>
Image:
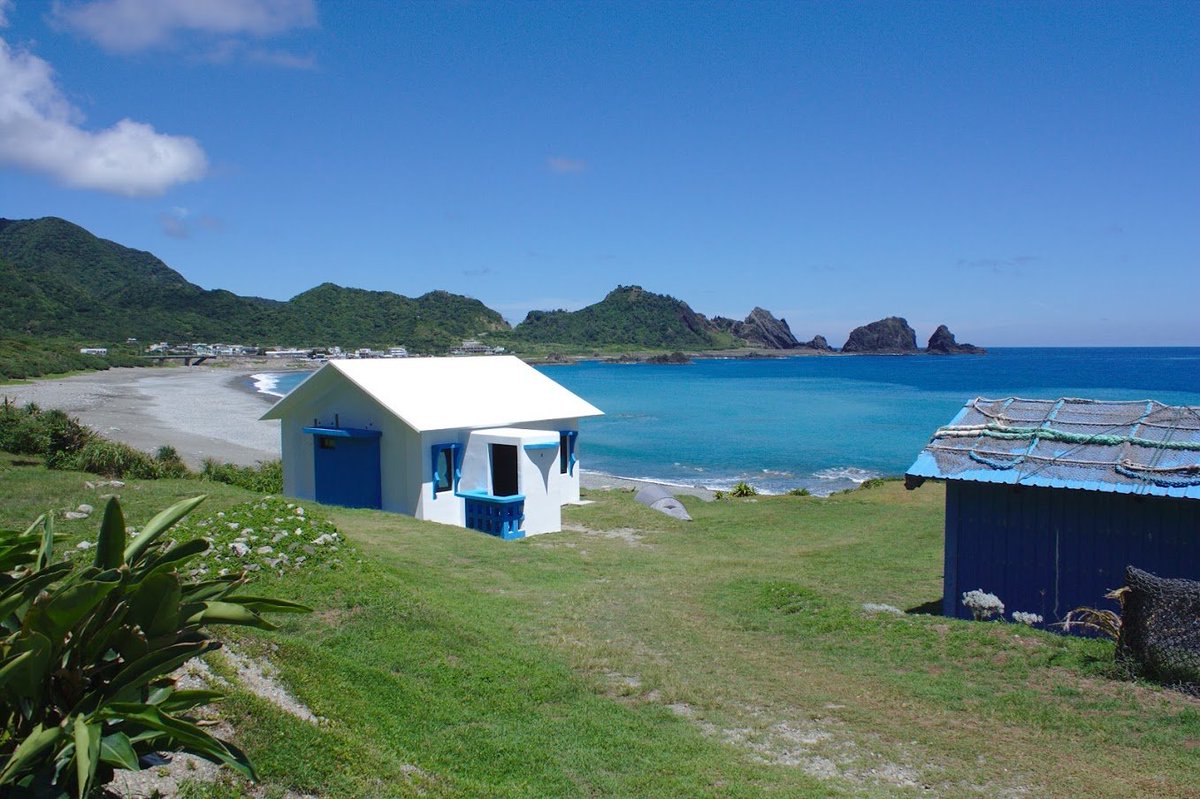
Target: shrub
<point>800,492</point>
<point>22,431</point>
<point>114,459</point>
<point>87,653</point>
<point>52,434</point>
<point>983,605</point>
<point>264,478</point>
<point>169,464</point>
<point>743,489</point>
<point>67,438</point>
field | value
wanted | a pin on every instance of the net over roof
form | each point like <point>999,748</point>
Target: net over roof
<point>1141,447</point>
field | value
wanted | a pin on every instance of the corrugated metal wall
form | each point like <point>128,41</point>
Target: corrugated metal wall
<point>1048,551</point>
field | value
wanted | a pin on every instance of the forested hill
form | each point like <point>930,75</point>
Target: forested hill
<point>629,316</point>
<point>60,280</point>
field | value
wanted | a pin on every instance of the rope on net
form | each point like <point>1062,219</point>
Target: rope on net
<point>1026,433</point>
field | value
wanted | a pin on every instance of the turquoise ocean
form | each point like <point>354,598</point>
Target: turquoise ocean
<point>824,423</point>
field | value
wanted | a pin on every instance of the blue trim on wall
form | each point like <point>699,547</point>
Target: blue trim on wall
<point>498,516</point>
<point>543,445</point>
<point>342,432</point>
<point>435,454</point>
<point>572,436</point>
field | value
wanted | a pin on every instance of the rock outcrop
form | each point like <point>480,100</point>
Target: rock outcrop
<point>818,343</point>
<point>887,336</point>
<point>942,343</point>
<point>760,328</point>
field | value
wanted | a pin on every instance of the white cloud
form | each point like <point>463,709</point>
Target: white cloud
<point>40,131</point>
<point>5,7</point>
<point>561,165</point>
<point>130,25</point>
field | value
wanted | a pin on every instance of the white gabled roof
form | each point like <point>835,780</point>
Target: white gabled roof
<point>449,393</point>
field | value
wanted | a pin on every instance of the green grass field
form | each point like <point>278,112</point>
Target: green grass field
<point>637,656</point>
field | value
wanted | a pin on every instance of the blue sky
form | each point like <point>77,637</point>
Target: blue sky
<point>1027,173</point>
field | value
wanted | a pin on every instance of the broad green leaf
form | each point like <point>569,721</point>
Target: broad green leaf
<point>155,604</point>
<point>100,636</point>
<point>87,754</point>
<point>65,607</point>
<point>110,547</point>
<point>32,529</point>
<point>117,751</point>
<point>178,554</point>
<point>211,589</point>
<point>157,526</point>
<point>12,558</point>
<point>264,604</point>
<point>28,587</point>
<point>189,736</point>
<point>47,547</point>
<point>229,613</point>
<point>13,666</point>
<point>159,662</point>
<point>28,751</point>
<point>29,676</point>
<point>179,701</point>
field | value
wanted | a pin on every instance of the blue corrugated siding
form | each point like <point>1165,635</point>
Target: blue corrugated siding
<point>1049,551</point>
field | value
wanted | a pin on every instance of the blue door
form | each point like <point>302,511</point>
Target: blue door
<point>346,466</point>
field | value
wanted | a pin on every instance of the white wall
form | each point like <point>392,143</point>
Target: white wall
<point>345,405</point>
<point>446,507</point>
<point>406,468</point>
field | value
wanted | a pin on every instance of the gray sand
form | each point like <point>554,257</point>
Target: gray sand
<point>202,411</point>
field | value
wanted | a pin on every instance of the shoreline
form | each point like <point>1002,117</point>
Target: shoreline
<point>203,412</point>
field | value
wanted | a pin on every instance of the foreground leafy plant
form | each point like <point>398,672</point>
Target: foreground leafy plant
<point>87,653</point>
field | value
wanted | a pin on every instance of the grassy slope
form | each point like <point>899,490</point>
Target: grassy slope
<point>641,656</point>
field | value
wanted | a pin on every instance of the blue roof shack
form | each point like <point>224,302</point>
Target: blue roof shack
<point>1047,501</point>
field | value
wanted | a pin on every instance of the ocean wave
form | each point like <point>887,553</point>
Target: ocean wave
<point>851,473</point>
<point>267,383</point>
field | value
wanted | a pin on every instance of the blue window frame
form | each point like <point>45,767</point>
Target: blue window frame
<point>566,451</point>
<point>447,467</point>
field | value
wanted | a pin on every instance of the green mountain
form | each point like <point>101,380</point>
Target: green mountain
<point>430,323</point>
<point>629,316</point>
<point>60,280</point>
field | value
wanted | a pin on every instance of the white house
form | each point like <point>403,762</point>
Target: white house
<point>483,443</point>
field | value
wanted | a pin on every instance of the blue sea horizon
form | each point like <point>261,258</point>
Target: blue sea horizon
<point>824,423</point>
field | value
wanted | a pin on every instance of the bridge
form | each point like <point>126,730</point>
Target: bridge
<point>188,360</point>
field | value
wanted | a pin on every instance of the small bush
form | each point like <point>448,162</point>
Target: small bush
<point>800,492</point>
<point>743,489</point>
<point>114,459</point>
<point>264,478</point>
<point>170,465</point>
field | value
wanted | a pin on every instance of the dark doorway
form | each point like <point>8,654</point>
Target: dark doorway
<point>504,470</point>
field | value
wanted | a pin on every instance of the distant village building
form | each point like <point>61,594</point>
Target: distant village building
<point>483,443</point>
<point>473,347</point>
<point>101,351</point>
<point>1047,501</point>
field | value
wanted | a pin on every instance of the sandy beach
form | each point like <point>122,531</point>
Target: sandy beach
<point>202,411</point>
